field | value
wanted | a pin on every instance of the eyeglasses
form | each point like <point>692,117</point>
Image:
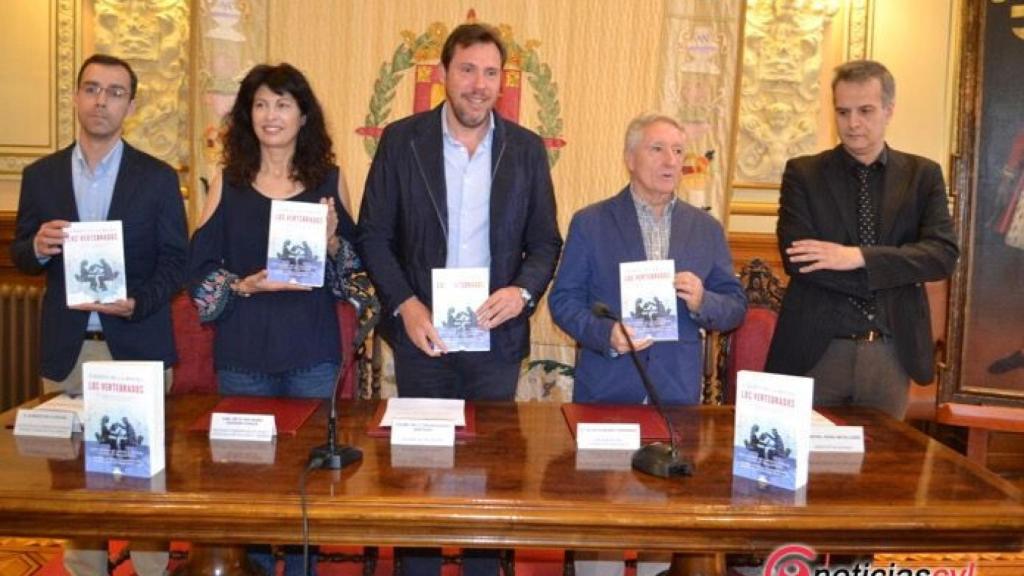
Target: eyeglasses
<point>112,92</point>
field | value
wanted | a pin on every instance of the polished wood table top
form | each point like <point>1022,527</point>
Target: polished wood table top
<point>519,482</point>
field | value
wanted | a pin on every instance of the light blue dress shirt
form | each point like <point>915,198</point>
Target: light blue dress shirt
<point>93,191</point>
<point>468,182</point>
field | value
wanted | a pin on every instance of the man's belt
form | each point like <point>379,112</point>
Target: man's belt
<point>869,336</point>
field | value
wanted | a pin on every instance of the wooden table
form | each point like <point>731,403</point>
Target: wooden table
<point>520,483</point>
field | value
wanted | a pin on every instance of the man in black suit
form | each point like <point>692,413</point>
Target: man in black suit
<point>459,186</point>
<point>861,228</point>
<point>100,177</point>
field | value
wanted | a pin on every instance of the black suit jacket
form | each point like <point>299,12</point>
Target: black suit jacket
<point>917,244</point>
<point>403,220</point>
<point>148,202</point>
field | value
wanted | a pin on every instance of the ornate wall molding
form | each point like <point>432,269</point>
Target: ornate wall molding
<point>779,94</point>
<point>153,37</point>
<point>859,18</point>
<point>65,16</point>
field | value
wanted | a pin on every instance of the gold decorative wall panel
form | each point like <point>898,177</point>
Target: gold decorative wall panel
<point>780,90</point>
<point>153,36</point>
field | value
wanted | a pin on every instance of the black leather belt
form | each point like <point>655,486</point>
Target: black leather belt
<point>97,336</point>
<point>869,336</point>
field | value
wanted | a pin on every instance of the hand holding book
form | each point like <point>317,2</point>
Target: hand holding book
<point>123,308</point>
<point>258,282</point>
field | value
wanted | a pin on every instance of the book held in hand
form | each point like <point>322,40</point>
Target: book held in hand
<point>94,263</point>
<point>297,245</point>
<point>773,428</point>
<point>458,292</point>
<point>649,299</point>
<point>124,417</point>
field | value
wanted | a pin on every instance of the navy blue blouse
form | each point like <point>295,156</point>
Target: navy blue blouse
<point>271,331</point>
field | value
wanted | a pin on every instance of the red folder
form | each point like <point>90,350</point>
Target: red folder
<point>289,413</point>
<point>652,425</point>
<point>461,432</point>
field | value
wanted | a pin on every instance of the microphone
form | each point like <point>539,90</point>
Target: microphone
<point>331,456</point>
<point>656,459</point>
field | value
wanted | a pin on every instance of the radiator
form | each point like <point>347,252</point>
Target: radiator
<point>20,307</point>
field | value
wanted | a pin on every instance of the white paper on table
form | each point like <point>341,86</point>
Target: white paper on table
<point>447,410</point>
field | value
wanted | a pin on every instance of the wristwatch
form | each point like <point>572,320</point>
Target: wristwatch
<point>527,297</point>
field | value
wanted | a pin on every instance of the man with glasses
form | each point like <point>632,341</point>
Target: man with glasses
<point>100,177</point>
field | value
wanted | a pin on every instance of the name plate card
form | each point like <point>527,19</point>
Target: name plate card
<point>422,432</point>
<point>232,426</point>
<point>605,436</point>
<point>46,423</point>
<point>442,457</point>
<point>849,439</point>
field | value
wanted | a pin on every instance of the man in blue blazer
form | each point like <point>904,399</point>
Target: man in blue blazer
<point>645,221</point>
<point>460,186</point>
<point>100,177</point>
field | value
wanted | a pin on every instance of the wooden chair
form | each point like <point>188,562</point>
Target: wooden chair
<point>746,347</point>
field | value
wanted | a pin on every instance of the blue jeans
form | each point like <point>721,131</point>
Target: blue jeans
<point>316,381</point>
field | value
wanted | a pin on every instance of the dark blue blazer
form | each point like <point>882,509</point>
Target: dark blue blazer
<point>148,202</point>
<point>601,237</point>
<point>403,220</point>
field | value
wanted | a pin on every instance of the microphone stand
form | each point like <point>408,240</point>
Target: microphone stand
<point>657,458</point>
<point>331,456</point>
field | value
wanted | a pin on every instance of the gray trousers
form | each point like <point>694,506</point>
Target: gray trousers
<point>861,373</point>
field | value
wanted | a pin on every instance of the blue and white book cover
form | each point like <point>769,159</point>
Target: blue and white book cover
<point>773,428</point>
<point>94,263</point>
<point>124,417</point>
<point>458,292</point>
<point>649,303</point>
<point>297,244</point>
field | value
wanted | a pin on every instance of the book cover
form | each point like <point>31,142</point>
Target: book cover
<point>772,428</point>
<point>649,299</point>
<point>124,417</point>
<point>297,244</point>
<point>94,263</point>
<point>458,292</point>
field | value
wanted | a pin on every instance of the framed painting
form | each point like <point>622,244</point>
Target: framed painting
<point>986,320</point>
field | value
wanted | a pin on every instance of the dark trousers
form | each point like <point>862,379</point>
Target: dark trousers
<point>861,373</point>
<point>427,562</point>
<point>466,375</point>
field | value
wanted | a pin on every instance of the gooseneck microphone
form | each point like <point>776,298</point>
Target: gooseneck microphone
<point>331,456</point>
<point>656,459</point>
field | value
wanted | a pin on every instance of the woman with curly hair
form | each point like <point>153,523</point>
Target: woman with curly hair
<point>273,338</point>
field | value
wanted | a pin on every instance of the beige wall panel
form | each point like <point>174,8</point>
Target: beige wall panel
<point>26,54</point>
<point>604,57</point>
<point>9,189</point>
<point>913,39</point>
